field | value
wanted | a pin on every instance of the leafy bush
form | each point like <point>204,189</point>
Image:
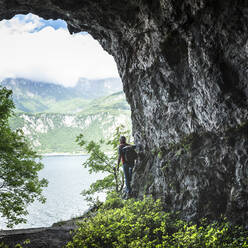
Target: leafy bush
<point>2,245</point>
<point>18,245</point>
<point>133,223</point>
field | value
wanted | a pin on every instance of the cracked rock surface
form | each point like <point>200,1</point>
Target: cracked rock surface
<point>184,67</point>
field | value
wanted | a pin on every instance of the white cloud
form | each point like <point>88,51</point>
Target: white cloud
<point>27,23</point>
<point>50,55</point>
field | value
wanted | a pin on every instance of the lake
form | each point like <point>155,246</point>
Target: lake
<point>67,178</point>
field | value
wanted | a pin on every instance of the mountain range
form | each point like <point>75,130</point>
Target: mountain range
<point>33,97</point>
<point>52,116</point>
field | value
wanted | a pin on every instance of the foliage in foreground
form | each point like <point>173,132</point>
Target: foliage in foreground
<point>100,161</point>
<point>19,182</point>
<point>132,223</point>
<point>23,244</point>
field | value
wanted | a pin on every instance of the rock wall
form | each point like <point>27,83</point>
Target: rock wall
<point>205,175</point>
<point>184,66</point>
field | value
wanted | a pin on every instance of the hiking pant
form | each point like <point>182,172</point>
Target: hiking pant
<point>127,168</point>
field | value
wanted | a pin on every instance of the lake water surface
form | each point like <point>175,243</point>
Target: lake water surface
<point>67,178</point>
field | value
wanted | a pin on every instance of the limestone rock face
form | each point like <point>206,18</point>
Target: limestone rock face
<point>184,66</point>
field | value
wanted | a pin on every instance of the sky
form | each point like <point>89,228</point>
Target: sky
<point>44,50</point>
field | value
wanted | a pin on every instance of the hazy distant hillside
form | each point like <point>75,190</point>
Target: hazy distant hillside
<point>90,89</point>
<point>112,104</point>
<point>33,97</point>
<point>52,116</point>
<point>49,133</point>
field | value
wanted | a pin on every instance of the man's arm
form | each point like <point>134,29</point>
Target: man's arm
<point>119,160</point>
<point>119,157</point>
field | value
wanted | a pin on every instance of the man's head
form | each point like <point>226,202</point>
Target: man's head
<point>122,139</point>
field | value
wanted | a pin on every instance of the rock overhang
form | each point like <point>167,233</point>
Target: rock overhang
<point>184,69</point>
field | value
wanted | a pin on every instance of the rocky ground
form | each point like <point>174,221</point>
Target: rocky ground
<point>56,236</point>
<point>45,237</point>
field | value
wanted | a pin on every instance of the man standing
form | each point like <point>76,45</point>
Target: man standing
<point>125,155</point>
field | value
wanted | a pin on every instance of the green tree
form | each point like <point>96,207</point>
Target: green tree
<point>104,162</point>
<point>19,182</point>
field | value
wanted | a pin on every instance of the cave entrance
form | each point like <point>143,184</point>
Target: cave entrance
<point>63,85</point>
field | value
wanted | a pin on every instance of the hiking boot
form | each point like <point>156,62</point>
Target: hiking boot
<point>126,196</point>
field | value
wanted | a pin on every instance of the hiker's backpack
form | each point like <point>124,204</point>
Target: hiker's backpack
<point>129,154</point>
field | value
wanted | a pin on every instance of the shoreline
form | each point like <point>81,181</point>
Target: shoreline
<point>54,236</point>
<point>66,154</point>
<point>61,154</point>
